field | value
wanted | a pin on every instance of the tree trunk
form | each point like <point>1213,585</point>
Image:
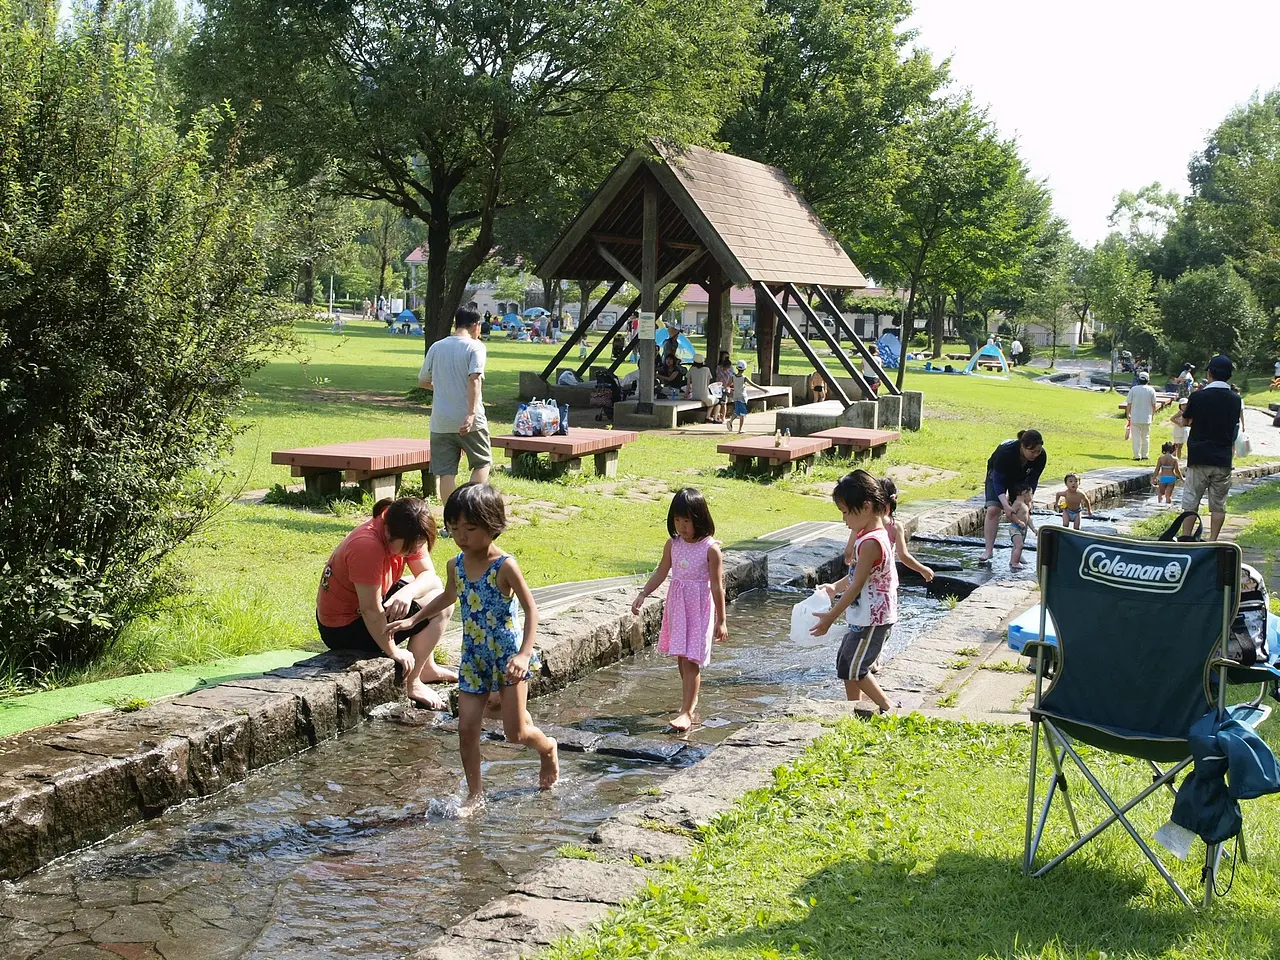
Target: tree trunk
<point>384,252</point>
<point>549,296</point>
<point>907,329</point>
<point>438,310</point>
<point>938,307</point>
<point>309,282</point>
<point>588,292</point>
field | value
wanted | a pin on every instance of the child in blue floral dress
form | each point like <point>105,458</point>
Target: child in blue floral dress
<point>489,583</point>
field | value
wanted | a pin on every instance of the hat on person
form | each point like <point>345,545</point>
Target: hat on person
<point>699,359</point>
<point>1144,376</point>
<point>1221,367</point>
<point>1182,401</point>
<point>742,364</point>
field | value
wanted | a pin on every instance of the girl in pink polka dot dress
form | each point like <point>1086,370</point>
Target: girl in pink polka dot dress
<point>694,612</point>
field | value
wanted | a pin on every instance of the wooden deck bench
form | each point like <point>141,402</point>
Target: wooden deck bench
<point>566,452</point>
<point>377,465</point>
<point>858,441</point>
<point>773,459</point>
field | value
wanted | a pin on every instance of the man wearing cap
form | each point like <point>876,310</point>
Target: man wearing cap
<point>1213,416</point>
<point>1140,408</point>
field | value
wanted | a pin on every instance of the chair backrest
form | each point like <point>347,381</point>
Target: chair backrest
<point>1138,623</point>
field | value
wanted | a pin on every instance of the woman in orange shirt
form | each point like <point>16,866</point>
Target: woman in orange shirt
<point>363,590</point>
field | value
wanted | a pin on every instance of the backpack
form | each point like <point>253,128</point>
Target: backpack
<point>1247,644</point>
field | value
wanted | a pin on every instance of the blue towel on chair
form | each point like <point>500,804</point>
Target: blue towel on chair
<point>1206,804</point>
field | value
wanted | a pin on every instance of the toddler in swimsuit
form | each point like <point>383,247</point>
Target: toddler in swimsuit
<point>1071,502</point>
<point>1166,474</point>
<point>1020,523</point>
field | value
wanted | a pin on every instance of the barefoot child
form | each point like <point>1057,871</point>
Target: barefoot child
<point>1020,524</point>
<point>897,537</point>
<point>1166,474</point>
<point>489,583</point>
<point>1071,502</point>
<point>740,384</point>
<point>869,593</point>
<point>694,612</point>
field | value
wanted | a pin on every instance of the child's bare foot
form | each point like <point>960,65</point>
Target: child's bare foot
<point>471,805</point>
<point>550,771</point>
<point>422,695</point>
<point>1015,564</point>
<point>681,723</point>
<point>438,673</point>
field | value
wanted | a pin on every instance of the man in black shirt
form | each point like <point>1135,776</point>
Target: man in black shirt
<point>1214,414</point>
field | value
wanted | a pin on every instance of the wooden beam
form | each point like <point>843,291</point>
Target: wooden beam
<point>885,380</point>
<point>834,343</point>
<point>580,331</point>
<point>681,267</point>
<point>594,208</point>
<point>631,344</point>
<point>635,241</point>
<point>608,335</point>
<point>614,262</point>
<point>648,291</point>
<point>765,297</point>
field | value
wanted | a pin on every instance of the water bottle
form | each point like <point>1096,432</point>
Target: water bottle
<point>777,438</point>
<point>787,435</point>
<point>564,420</point>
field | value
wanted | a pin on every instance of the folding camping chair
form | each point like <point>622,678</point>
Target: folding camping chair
<point>1141,655</point>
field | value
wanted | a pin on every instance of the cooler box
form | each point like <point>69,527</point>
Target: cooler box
<point>1027,627</point>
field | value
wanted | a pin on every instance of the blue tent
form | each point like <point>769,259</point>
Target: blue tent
<point>990,352</point>
<point>406,316</point>
<point>512,321</point>
<point>684,349</point>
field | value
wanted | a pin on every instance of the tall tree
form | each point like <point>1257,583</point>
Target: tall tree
<point>1121,289</point>
<point>1212,310</point>
<point>837,77</point>
<point>957,214</point>
<point>453,110</point>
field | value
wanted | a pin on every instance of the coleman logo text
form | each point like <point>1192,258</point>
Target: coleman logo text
<point>1147,570</point>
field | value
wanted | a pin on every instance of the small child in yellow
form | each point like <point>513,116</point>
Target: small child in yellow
<point>1166,474</point>
<point>1071,502</point>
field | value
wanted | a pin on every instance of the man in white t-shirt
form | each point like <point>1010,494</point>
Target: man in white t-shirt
<point>1015,351</point>
<point>1140,407</point>
<point>454,371</point>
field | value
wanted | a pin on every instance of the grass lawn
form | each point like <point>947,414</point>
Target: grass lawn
<point>253,571</point>
<point>902,838</point>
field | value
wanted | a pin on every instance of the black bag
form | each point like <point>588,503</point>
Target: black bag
<point>1247,644</point>
<point>1174,535</point>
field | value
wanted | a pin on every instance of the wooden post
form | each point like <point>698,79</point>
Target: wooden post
<point>714,317</point>
<point>766,300</point>
<point>648,291</point>
<point>766,331</point>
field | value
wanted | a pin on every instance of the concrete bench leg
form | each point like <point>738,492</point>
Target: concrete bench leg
<point>779,469</point>
<point>742,463</point>
<point>561,467</point>
<point>326,483</point>
<point>878,451</point>
<point>844,453</point>
<point>429,486</point>
<point>607,463</point>
<point>379,487</point>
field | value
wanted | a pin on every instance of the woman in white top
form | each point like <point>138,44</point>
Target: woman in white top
<point>700,381</point>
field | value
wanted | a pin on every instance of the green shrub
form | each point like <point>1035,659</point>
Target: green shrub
<point>1103,341</point>
<point>132,306</point>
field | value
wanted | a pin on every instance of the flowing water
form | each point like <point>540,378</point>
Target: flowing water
<point>349,850</point>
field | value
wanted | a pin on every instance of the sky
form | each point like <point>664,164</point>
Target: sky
<point>1105,96</point>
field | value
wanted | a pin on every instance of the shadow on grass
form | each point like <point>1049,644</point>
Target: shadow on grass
<point>969,905</point>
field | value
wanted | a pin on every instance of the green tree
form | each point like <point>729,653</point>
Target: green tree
<point>958,217</point>
<point>1213,310</point>
<point>455,111</point>
<point>134,300</point>
<point>1121,292</point>
<point>837,78</point>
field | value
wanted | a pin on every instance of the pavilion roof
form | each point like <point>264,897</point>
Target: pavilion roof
<point>748,217</point>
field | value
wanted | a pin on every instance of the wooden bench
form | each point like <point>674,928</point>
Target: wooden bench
<point>566,452</point>
<point>377,465</point>
<point>774,459</point>
<point>1162,400</point>
<point>858,441</point>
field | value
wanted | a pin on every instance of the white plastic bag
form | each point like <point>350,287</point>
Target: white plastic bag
<point>805,614</point>
<point>1243,446</point>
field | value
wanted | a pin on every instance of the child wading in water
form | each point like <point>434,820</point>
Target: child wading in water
<point>1020,524</point>
<point>1071,501</point>
<point>897,536</point>
<point>489,583</point>
<point>694,612</point>
<point>1166,474</point>
<point>869,593</point>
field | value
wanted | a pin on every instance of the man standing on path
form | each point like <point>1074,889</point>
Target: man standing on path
<point>1140,408</point>
<point>454,371</point>
<point>1213,414</point>
<point>1015,352</point>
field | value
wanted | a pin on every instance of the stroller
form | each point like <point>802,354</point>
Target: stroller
<point>607,392</point>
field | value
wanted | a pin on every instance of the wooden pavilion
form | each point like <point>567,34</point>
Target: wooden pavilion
<point>667,217</point>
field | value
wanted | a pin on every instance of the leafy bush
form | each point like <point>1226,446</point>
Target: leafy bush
<point>1103,341</point>
<point>133,303</point>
